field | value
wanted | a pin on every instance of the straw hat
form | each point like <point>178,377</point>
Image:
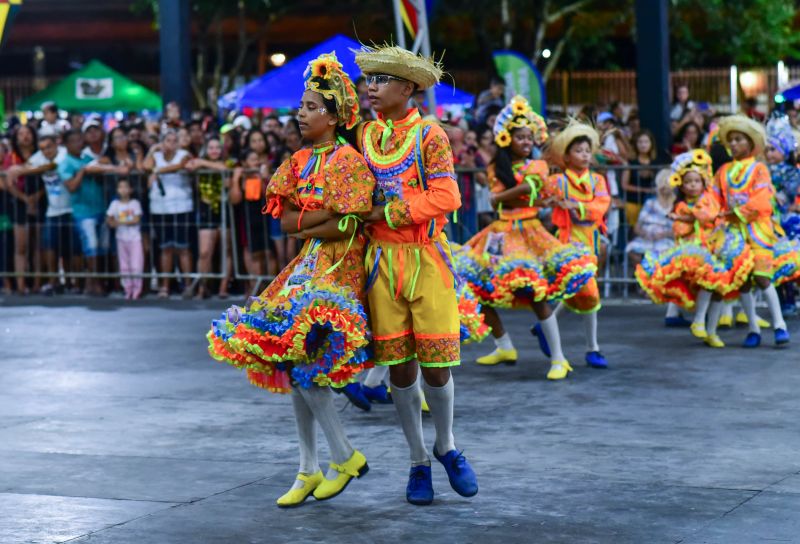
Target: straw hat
<point>575,129</point>
<point>692,161</point>
<point>739,123</point>
<point>395,61</point>
<point>517,114</point>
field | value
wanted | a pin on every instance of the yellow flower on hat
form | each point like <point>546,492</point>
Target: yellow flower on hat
<point>699,156</point>
<point>503,138</point>
<point>519,107</point>
<point>675,180</point>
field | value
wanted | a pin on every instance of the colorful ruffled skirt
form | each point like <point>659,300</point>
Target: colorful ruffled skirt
<point>514,263</point>
<point>786,261</point>
<point>722,265</point>
<point>309,326</point>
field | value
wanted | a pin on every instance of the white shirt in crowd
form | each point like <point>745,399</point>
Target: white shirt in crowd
<point>125,213</point>
<point>59,127</point>
<point>177,187</point>
<point>58,196</point>
<point>610,144</point>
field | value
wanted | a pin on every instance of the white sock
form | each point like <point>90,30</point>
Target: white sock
<point>749,306</point>
<point>306,437</point>
<point>320,400</point>
<point>590,327</point>
<point>558,309</point>
<point>727,309</point>
<point>672,310</point>
<point>376,376</point>
<point>714,312</point>
<point>408,403</point>
<point>440,401</point>
<point>504,342</point>
<point>553,336</point>
<point>703,300</point>
<point>774,305</point>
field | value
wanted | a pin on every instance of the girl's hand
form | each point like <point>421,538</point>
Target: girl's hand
<point>377,214</point>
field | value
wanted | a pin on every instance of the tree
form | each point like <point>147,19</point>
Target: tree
<point>569,29</point>
<point>724,32</point>
<point>214,70</point>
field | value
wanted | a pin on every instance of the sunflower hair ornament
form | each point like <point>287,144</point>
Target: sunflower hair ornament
<point>696,160</point>
<point>518,114</point>
<point>340,89</point>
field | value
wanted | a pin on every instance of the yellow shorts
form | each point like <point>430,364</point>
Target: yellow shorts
<point>412,300</point>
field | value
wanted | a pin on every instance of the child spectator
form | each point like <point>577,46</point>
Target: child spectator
<point>125,215</point>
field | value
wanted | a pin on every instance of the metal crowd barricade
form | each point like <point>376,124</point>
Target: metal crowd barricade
<point>248,245</point>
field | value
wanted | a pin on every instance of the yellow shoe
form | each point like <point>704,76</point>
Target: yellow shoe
<point>698,330</point>
<point>714,341</point>
<point>559,370</point>
<point>425,408</point>
<point>741,319</point>
<point>296,497</point>
<point>499,356</point>
<point>725,321</point>
<point>355,467</point>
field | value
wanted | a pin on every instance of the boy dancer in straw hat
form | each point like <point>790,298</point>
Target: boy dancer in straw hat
<point>746,193</point>
<point>580,218</point>
<point>411,292</point>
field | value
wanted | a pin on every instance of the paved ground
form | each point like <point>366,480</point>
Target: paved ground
<point>115,427</point>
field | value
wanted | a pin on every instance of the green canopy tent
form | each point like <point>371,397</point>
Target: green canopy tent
<point>95,87</point>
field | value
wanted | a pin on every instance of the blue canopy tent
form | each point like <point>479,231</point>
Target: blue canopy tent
<point>283,87</point>
<point>791,94</point>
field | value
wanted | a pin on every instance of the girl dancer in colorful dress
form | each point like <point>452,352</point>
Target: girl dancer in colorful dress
<point>579,213</point>
<point>515,261</point>
<point>708,262</point>
<point>308,329</point>
<point>746,194</point>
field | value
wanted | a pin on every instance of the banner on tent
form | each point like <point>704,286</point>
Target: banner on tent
<point>521,77</point>
<point>87,88</point>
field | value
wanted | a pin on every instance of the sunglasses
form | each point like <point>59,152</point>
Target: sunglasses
<point>380,79</point>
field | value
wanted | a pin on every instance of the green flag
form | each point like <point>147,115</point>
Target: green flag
<point>521,78</point>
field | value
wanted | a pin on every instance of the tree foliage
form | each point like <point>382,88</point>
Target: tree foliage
<point>723,32</point>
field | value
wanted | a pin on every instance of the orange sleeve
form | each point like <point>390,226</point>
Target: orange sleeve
<point>706,210</point>
<point>596,209</point>
<point>349,183</point>
<point>284,181</point>
<point>442,195</point>
<point>681,229</point>
<point>759,203</point>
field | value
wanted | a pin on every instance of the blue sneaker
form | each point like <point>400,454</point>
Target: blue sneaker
<point>781,337</point>
<point>678,321</point>
<point>419,490</point>
<point>355,394</point>
<point>378,395</point>
<point>753,340</point>
<point>537,331</point>
<point>595,359</point>
<point>462,477</point>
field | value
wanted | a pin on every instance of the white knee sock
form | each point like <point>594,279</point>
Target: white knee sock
<point>672,310</point>
<point>749,306</point>
<point>408,403</point>
<point>320,400</point>
<point>440,400</point>
<point>774,305</point>
<point>727,309</point>
<point>504,342</point>
<point>714,313</point>
<point>306,437</point>
<point>703,300</point>
<point>558,309</point>
<point>376,376</point>
<point>590,326</point>
<point>553,336</point>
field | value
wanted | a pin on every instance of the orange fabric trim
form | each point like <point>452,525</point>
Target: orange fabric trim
<point>401,262</point>
<point>439,262</point>
<point>436,336</point>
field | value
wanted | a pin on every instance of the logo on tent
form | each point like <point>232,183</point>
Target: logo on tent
<point>87,88</point>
